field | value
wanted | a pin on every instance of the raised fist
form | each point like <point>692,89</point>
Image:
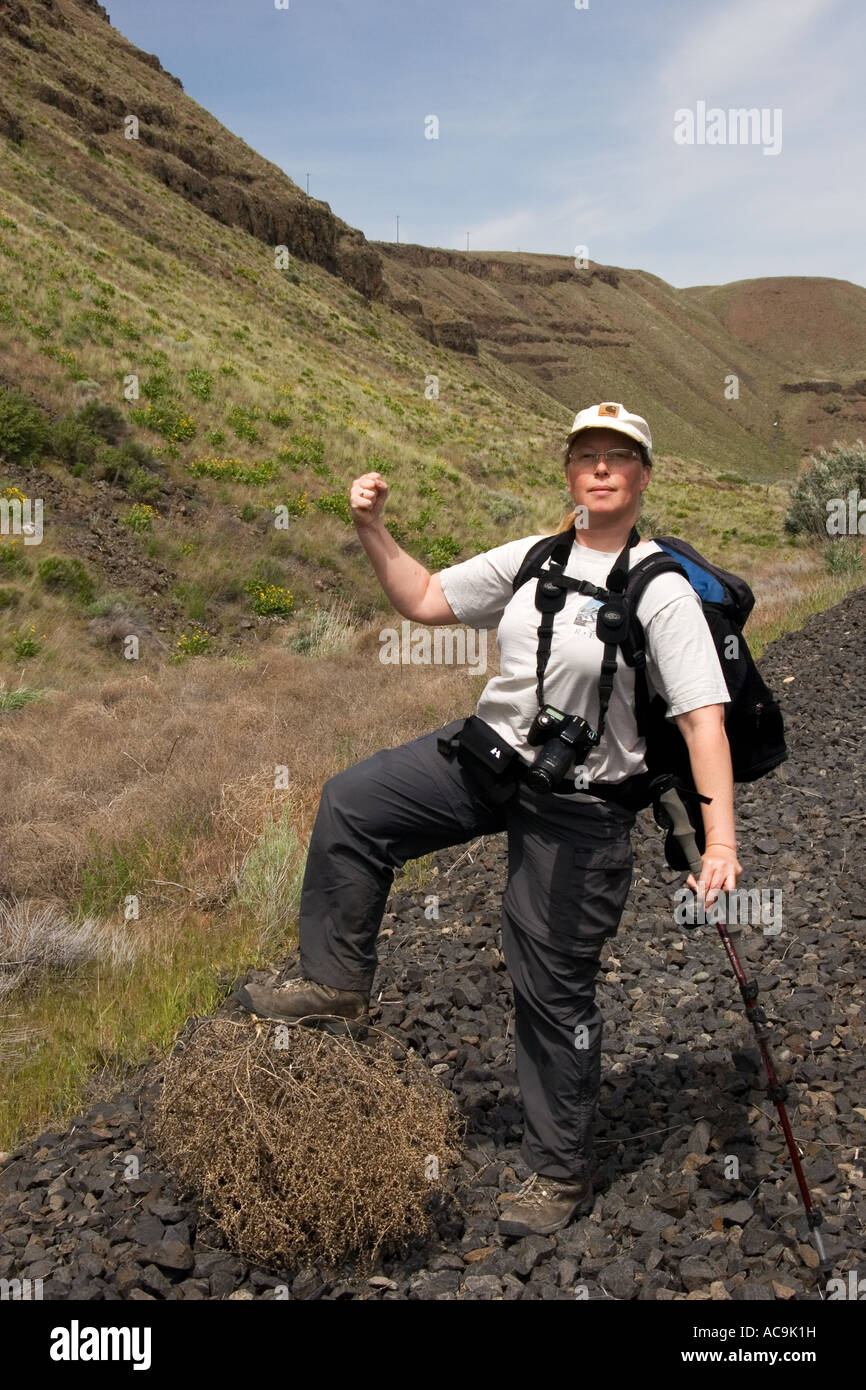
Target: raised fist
<point>367,498</point>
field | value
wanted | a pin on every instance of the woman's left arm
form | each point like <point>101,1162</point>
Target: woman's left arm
<point>710,757</point>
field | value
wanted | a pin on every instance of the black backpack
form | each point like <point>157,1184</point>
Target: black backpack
<point>753,719</point>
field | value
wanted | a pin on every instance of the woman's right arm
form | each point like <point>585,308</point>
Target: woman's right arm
<point>414,592</point>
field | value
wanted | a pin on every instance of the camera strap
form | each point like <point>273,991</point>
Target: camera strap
<point>478,747</point>
<point>612,622</point>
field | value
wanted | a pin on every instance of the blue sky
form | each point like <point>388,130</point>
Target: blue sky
<point>556,124</point>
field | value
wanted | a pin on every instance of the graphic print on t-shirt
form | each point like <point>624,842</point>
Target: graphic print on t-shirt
<point>586,619</point>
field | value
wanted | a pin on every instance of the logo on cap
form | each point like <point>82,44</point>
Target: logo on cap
<point>608,410</point>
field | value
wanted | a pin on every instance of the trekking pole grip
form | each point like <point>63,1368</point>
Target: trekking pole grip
<point>683,829</point>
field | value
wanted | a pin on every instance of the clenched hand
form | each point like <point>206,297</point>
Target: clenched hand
<point>367,499</point>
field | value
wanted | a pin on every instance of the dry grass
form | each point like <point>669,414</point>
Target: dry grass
<point>15,1041</point>
<point>163,784</point>
<point>158,754</point>
<point>788,590</point>
<point>39,937</point>
<point>305,1146</point>
<point>333,628</point>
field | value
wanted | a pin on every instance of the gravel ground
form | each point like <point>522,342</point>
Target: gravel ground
<point>682,1090</point>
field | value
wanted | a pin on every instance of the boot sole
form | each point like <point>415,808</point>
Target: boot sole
<point>326,1023</point>
<point>335,1024</point>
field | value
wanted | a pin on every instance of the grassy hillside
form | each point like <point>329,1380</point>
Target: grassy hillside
<point>199,406</point>
<point>606,333</point>
<point>812,332</point>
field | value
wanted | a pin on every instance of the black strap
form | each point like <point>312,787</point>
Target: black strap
<point>615,630</point>
<point>550,595</point>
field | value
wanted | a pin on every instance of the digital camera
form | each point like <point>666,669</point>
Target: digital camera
<point>563,737</point>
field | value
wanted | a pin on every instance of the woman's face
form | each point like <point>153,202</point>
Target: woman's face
<point>609,489</point>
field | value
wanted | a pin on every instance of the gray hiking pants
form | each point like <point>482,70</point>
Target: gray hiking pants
<point>569,873</point>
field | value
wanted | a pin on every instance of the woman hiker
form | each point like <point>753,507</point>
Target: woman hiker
<point>569,854</point>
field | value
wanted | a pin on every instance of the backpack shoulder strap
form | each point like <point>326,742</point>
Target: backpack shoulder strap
<point>638,578</point>
<point>542,550</point>
<point>711,583</point>
<point>634,648</point>
<point>646,569</point>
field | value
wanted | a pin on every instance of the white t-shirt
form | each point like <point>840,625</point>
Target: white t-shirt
<point>682,663</point>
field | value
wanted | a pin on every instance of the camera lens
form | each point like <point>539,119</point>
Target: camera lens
<point>538,780</point>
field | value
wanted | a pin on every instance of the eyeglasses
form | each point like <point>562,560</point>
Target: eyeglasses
<point>586,456</point>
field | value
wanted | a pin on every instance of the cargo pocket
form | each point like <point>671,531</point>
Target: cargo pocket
<point>588,892</point>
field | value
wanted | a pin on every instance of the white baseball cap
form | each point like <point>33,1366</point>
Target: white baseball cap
<point>612,415</point>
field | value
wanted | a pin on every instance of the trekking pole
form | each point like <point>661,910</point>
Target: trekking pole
<point>777,1090</point>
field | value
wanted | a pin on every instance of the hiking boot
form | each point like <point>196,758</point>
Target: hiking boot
<point>300,1001</point>
<point>543,1205</point>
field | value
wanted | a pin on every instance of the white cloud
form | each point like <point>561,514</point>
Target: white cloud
<point>750,43</point>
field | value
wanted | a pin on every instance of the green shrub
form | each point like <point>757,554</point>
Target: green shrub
<point>303,451</point>
<point>105,603</point>
<point>112,871</point>
<point>103,419</point>
<point>200,383</point>
<point>269,600</point>
<point>193,599</point>
<point>280,418</point>
<point>443,551</point>
<point>232,590</point>
<point>166,417</point>
<point>266,571</point>
<point>24,430</point>
<point>241,421</point>
<point>13,561</point>
<point>335,504</point>
<point>296,504</point>
<point>423,521</point>
<point>844,556</point>
<point>141,485</point>
<point>194,643</point>
<point>503,506</point>
<point>437,470</point>
<point>830,475</point>
<point>234,470</point>
<point>140,517</point>
<point>130,467</point>
<point>25,645</point>
<point>9,597</point>
<point>649,524</point>
<point>158,387</point>
<point>67,575</point>
<point>74,443</point>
